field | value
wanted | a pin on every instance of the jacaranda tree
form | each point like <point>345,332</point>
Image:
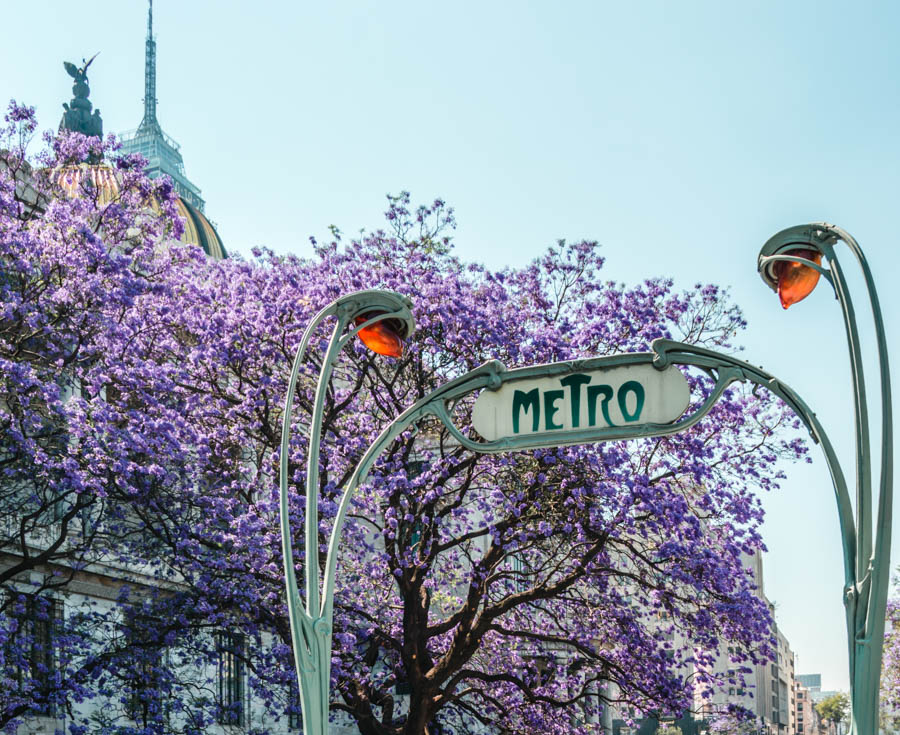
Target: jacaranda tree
<point>72,463</point>
<point>516,593</point>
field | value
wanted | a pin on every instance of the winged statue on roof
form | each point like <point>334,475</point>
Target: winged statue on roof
<point>79,75</point>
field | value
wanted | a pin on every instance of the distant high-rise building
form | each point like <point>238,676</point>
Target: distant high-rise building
<point>769,691</point>
<point>813,682</point>
<point>164,158</point>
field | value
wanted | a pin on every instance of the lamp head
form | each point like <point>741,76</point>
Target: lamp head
<point>790,263</point>
<point>384,336</point>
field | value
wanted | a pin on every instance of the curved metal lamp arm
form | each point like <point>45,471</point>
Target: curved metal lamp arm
<point>434,404</point>
<point>863,444</point>
<point>869,607</point>
<point>301,631</point>
<point>882,541</point>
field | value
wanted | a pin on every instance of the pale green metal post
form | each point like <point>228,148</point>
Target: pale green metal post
<point>867,573</point>
<point>311,627</point>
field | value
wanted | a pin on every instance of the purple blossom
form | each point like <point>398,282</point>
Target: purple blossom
<point>142,399</point>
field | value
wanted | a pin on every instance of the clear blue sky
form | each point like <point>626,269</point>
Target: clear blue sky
<point>681,135</point>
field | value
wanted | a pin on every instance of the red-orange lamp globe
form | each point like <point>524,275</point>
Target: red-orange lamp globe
<point>383,337</point>
<point>796,280</point>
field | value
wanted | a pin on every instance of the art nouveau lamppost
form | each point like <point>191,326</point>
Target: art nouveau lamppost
<point>791,263</point>
<point>381,320</point>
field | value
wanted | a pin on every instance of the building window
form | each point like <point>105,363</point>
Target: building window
<point>44,617</point>
<point>230,647</point>
<point>32,648</point>
<point>145,674</point>
<point>145,702</point>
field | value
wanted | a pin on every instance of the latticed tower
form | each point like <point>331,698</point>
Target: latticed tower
<point>164,158</point>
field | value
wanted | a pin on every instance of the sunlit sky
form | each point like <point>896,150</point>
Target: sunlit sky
<point>680,135</point>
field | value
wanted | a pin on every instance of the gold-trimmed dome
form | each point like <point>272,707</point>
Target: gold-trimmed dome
<point>198,230</point>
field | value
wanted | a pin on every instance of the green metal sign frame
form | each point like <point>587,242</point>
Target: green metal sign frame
<point>866,562</point>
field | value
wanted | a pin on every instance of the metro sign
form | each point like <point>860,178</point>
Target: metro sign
<point>580,400</point>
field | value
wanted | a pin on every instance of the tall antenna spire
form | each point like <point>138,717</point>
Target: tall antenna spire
<point>150,77</point>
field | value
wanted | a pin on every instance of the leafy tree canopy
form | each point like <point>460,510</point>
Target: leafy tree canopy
<point>835,708</point>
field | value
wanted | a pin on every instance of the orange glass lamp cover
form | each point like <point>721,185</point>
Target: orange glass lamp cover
<point>796,281</point>
<point>381,337</point>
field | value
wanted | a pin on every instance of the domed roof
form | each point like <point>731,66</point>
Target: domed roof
<point>198,230</point>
